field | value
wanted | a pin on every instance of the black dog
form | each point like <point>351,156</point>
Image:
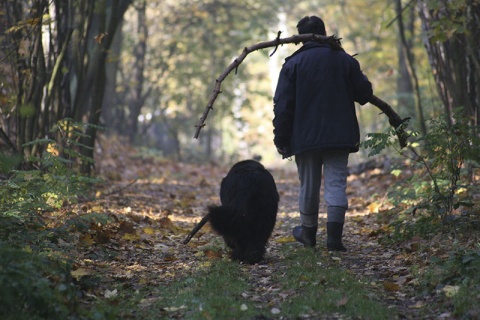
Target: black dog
<point>248,212</point>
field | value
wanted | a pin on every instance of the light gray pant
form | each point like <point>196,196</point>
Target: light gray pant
<point>335,172</point>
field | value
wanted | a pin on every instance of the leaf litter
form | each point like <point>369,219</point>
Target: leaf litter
<point>152,215</point>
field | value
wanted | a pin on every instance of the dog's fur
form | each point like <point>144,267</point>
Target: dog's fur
<point>248,210</point>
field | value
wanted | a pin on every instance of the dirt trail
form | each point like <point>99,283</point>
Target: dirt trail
<point>158,211</point>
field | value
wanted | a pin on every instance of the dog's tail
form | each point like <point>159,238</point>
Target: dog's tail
<point>222,219</point>
<point>197,228</point>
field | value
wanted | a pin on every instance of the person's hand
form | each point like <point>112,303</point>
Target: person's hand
<point>284,151</point>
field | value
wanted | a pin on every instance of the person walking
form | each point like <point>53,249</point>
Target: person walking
<point>315,121</point>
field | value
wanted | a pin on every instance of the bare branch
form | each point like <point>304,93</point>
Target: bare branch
<point>296,39</point>
<point>334,42</point>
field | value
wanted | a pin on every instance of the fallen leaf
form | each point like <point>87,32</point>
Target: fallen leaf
<point>110,294</point>
<point>167,224</point>
<point>450,291</point>
<point>80,272</point>
<point>373,207</point>
<point>149,230</point>
<point>287,239</point>
<point>342,301</point>
<point>391,286</point>
<point>146,303</point>
<point>417,305</point>
<point>275,311</point>
<point>87,240</point>
<point>126,227</point>
<point>173,309</point>
<point>131,237</point>
<point>212,254</point>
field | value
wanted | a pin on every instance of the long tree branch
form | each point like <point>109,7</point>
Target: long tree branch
<point>246,51</point>
<point>334,42</point>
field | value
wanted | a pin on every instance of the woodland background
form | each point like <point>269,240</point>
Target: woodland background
<point>101,178</point>
<point>145,69</point>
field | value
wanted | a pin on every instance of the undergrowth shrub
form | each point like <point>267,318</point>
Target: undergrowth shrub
<point>438,197</point>
<point>438,191</point>
<point>35,213</point>
<point>34,286</point>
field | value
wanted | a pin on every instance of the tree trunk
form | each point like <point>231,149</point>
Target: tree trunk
<point>111,106</point>
<point>139,52</point>
<point>406,95</point>
<point>454,54</point>
<point>107,18</point>
<point>410,64</point>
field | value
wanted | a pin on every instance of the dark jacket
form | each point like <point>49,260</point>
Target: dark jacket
<point>314,101</point>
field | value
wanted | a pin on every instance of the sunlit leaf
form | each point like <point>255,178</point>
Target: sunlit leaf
<point>450,291</point>
<point>109,294</point>
<point>396,172</point>
<point>174,309</point>
<point>149,230</point>
<point>131,237</point>
<point>80,272</point>
<point>286,239</point>
<point>373,207</point>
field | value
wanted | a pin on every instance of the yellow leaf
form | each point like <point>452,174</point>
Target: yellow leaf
<point>87,240</point>
<point>450,291</point>
<point>148,230</point>
<point>80,272</point>
<point>373,207</point>
<point>131,237</point>
<point>53,149</point>
<point>285,239</point>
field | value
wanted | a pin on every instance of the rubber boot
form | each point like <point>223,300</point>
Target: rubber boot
<point>334,236</point>
<point>305,235</point>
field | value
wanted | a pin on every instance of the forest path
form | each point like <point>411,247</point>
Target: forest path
<point>157,210</point>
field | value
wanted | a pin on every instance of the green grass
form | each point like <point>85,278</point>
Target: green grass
<point>305,283</point>
<point>213,291</point>
<point>322,287</point>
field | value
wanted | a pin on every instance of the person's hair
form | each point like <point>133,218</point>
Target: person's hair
<point>311,24</point>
